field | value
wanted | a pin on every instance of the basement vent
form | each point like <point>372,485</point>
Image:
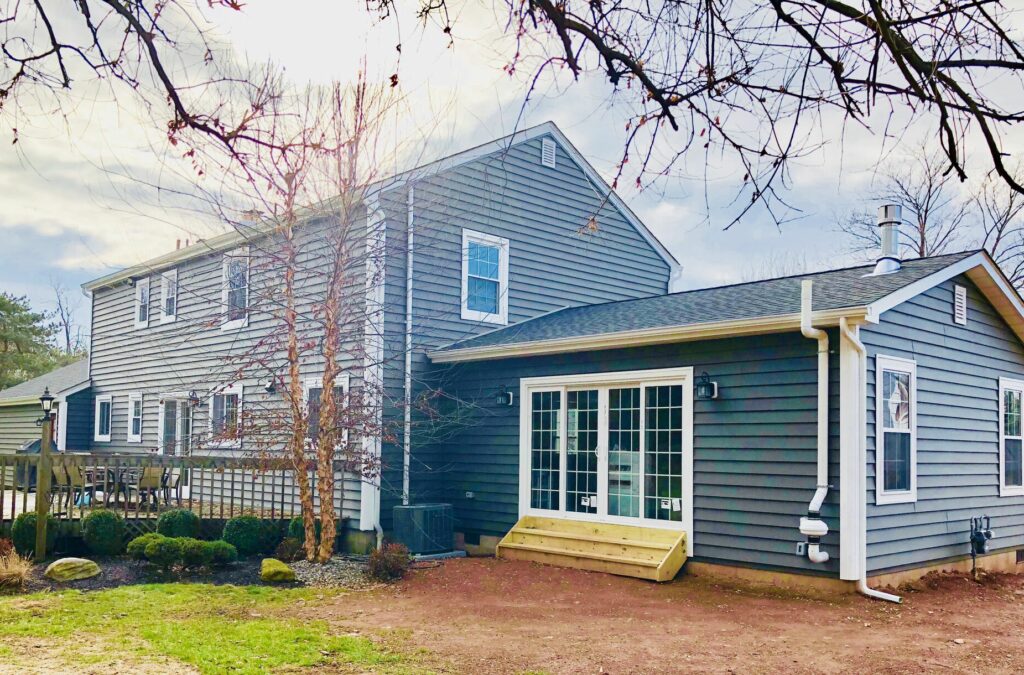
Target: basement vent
<point>960,305</point>
<point>1020,555</point>
<point>547,153</point>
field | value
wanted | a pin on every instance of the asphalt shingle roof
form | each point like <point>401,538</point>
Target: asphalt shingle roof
<point>834,289</point>
<point>59,380</point>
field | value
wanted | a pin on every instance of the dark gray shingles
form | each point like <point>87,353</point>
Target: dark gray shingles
<point>835,289</point>
<point>58,380</point>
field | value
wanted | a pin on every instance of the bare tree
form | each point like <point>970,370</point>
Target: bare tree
<point>1000,212</point>
<point>932,207</point>
<point>69,331</point>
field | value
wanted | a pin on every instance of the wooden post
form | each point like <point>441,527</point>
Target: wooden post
<point>44,471</point>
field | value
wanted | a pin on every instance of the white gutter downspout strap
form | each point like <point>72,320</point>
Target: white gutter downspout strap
<point>862,581</point>
<point>407,426</point>
<point>812,526</point>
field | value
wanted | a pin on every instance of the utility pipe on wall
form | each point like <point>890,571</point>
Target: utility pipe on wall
<point>812,526</point>
<point>862,460</point>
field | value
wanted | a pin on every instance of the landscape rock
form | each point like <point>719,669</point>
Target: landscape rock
<point>71,569</point>
<point>276,571</point>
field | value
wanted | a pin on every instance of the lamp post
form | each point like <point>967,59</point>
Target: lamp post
<point>44,471</point>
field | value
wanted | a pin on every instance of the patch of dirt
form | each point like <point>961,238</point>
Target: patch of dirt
<point>88,655</point>
<point>499,616</point>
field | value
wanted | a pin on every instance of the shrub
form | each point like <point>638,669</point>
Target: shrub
<point>137,547</point>
<point>270,535</point>
<point>14,571</point>
<point>390,562</point>
<point>103,532</point>
<point>6,547</point>
<point>297,531</point>
<point>222,553</point>
<point>23,533</point>
<point>178,523</point>
<point>164,552</point>
<point>245,533</point>
<point>289,550</point>
<point>195,553</point>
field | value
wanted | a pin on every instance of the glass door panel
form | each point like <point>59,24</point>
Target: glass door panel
<point>545,449</point>
<point>581,451</point>
<point>169,433</point>
<point>624,452</point>
<point>663,467</point>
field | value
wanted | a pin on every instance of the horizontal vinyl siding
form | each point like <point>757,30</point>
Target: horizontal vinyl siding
<point>754,447</point>
<point>17,425</point>
<point>79,421</point>
<point>958,371</point>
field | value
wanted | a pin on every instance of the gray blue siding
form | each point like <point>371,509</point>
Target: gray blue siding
<point>754,447</point>
<point>958,371</point>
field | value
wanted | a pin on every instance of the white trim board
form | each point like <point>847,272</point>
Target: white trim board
<point>373,360</point>
<point>1006,384</point>
<point>884,362</point>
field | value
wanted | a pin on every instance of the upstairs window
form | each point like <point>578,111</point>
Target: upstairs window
<point>101,425</point>
<point>1011,463</point>
<point>484,277</point>
<point>142,303</point>
<point>135,418</point>
<point>235,297</point>
<point>225,415</point>
<point>169,296</point>
<point>896,430</point>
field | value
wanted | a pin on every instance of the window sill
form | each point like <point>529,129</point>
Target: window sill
<point>1011,491</point>
<point>483,317</point>
<point>235,325</point>
<point>101,439</point>
<point>167,319</point>
<point>139,325</point>
<point>884,498</point>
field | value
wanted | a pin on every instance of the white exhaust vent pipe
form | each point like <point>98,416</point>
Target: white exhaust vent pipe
<point>812,526</point>
<point>889,218</point>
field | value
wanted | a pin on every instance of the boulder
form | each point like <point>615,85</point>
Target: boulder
<point>274,570</point>
<point>71,569</point>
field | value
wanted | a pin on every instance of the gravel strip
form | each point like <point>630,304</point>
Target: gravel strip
<point>341,571</point>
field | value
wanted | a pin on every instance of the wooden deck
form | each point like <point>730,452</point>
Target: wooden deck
<point>627,550</point>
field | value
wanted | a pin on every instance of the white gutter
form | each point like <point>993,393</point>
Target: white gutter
<point>407,428</point>
<point>812,526</point>
<point>862,581</point>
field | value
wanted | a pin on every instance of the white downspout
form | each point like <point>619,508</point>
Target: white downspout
<point>862,582</point>
<point>812,526</point>
<point>407,421</point>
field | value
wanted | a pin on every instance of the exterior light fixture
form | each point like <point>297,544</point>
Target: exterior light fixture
<point>705,388</point>
<point>193,399</point>
<point>504,397</point>
<point>46,401</point>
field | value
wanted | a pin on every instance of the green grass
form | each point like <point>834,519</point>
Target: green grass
<point>217,629</point>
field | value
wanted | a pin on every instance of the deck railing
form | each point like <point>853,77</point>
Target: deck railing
<point>140,487</point>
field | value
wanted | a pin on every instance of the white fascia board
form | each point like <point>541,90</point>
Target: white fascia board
<point>650,336</point>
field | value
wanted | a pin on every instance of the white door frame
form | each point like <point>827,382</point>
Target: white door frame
<point>563,383</point>
<point>182,408</point>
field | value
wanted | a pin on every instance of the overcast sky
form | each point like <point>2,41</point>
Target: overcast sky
<point>77,201</point>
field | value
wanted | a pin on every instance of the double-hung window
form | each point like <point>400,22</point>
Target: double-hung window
<point>1011,467</point>
<point>225,416</point>
<point>101,424</point>
<point>235,294</point>
<point>313,390</point>
<point>168,296</point>
<point>484,277</point>
<point>142,303</point>
<point>135,418</point>
<point>896,430</point>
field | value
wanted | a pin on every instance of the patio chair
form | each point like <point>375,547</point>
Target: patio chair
<point>82,488</point>
<point>146,484</point>
<point>172,484</point>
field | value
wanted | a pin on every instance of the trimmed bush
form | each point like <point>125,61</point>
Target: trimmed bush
<point>137,547</point>
<point>245,533</point>
<point>164,552</point>
<point>390,562</point>
<point>297,531</point>
<point>195,553</point>
<point>289,550</point>
<point>222,553</point>
<point>23,533</point>
<point>103,532</point>
<point>178,523</point>
<point>270,535</point>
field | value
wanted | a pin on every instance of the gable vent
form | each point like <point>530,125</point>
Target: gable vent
<point>547,153</point>
<point>960,305</point>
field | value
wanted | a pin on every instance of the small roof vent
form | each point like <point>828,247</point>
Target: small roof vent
<point>547,152</point>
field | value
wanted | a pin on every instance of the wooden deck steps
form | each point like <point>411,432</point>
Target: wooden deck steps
<point>626,550</point>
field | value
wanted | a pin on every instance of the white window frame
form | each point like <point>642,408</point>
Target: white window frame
<point>235,388</point>
<point>898,365</point>
<point>565,383</point>
<point>1007,384</point>
<point>234,324</point>
<point>501,243</point>
<point>316,382</point>
<point>141,284</point>
<point>165,284</point>
<point>96,435</point>
<point>133,398</point>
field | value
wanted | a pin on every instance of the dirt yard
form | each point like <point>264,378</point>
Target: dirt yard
<point>494,616</point>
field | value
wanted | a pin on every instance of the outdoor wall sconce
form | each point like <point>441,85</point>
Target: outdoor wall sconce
<point>504,397</point>
<point>705,388</point>
<point>193,399</point>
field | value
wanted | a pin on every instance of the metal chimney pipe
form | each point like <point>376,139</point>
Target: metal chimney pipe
<point>889,218</point>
